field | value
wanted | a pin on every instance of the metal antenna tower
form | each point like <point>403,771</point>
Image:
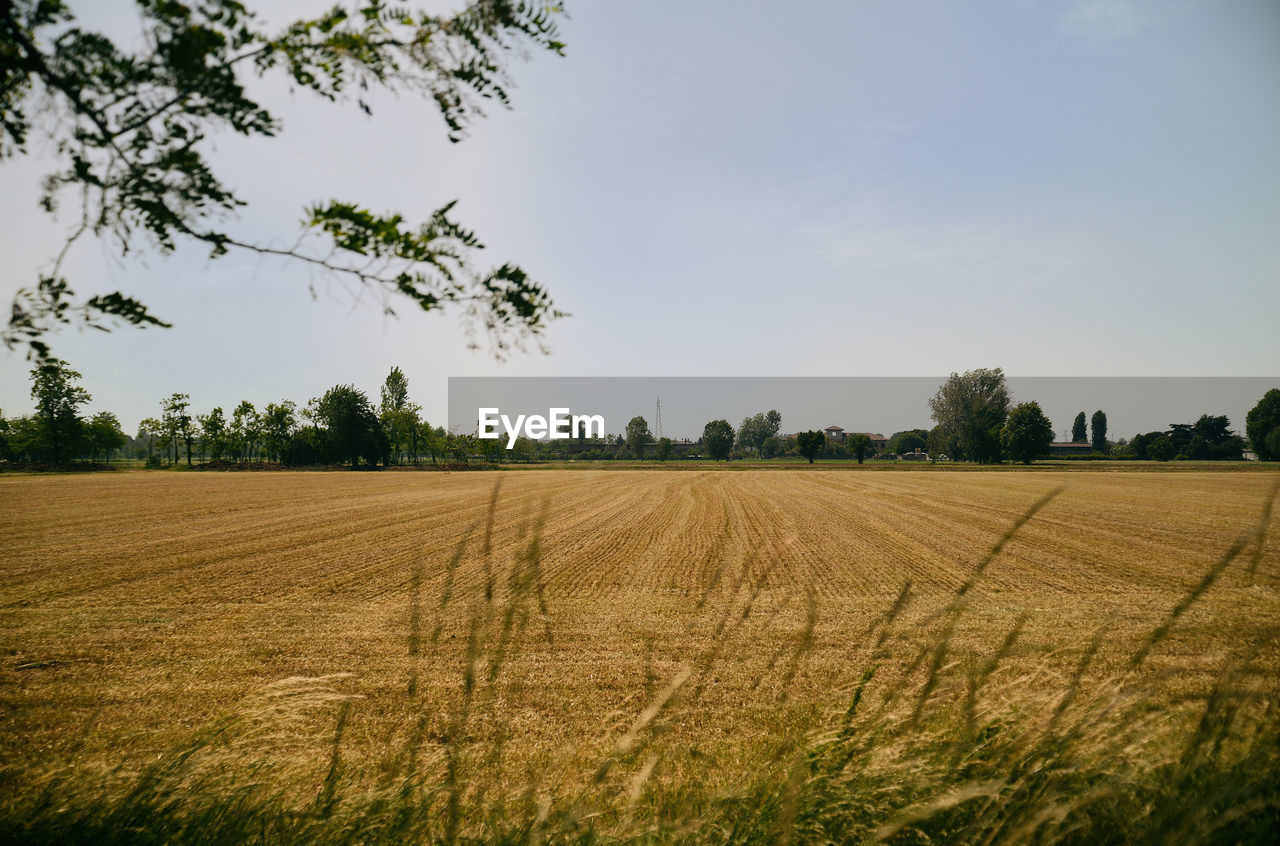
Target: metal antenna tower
<point>658,418</point>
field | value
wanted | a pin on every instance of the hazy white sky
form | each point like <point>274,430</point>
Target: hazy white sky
<point>756,189</point>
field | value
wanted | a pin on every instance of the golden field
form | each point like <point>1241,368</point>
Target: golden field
<point>542,633</point>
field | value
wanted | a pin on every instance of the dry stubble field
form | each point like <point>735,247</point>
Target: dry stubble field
<point>509,629</point>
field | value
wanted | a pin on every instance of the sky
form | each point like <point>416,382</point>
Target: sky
<point>750,189</point>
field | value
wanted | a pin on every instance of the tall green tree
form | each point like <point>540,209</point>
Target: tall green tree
<point>638,436</point>
<point>909,440</point>
<point>354,430</point>
<point>461,445</point>
<point>1098,427</point>
<point>1262,425</point>
<point>1161,448</point>
<point>663,449</point>
<point>758,428</point>
<point>971,408</point>
<point>858,445</point>
<point>1212,438</point>
<point>1079,435</point>
<point>103,435</point>
<point>395,391</point>
<point>58,398</point>
<point>717,439</point>
<point>942,443</point>
<point>149,431</point>
<point>245,431</point>
<point>809,444</point>
<point>6,447</point>
<point>279,420</point>
<point>177,420</point>
<point>129,127</point>
<point>1027,433</point>
<point>399,416</point>
<point>431,441</point>
<point>213,433</point>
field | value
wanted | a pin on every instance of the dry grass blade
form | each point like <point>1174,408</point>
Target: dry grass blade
<point>919,813</point>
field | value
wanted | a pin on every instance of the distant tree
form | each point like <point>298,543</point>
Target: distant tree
<point>460,446</point>
<point>757,429</point>
<point>177,421</point>
<point>1217,441</point>
<point>6,447</point>
<point>58,399</point>
<point>149,430</point>
<point>810,444</point>
<point>717,439</point>
<point>1262,422</point>
<point>395,390</point>
<point>858,445</point>
<point>103,435</point>
<point>1272,443</point>
<point>663,450</point>
<point>942,443</point>
<point>278,424</point>
<point>169,426</point>
<point>24,438</point>
<point>246,430</point>
<point>771,448</point>
<point>1180,435</point>
<point>638,435</point>
<point>399,416</point>
<point>1027,433</point>
<point>1078,433</point>
<point>523,449</point>
<point>213,433</point>
<point>971,409</point>
<point>354,430</point>
<point>909,440</point>
<point>1098,427</point>
<point>1161,448</point>
<point>433,442</point>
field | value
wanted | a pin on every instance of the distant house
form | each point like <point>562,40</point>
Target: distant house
<point>914,456</point>
<point>837,433</point>
<point>1065,449</point>
<point>879,443</point>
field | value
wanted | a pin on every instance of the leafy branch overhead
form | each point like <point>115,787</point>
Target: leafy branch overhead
<point>129,131</point>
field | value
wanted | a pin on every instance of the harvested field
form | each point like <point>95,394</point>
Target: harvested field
<point>509,643</point>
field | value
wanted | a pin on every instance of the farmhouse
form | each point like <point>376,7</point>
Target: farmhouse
<point>878,442</point>
<point>1065,449</point>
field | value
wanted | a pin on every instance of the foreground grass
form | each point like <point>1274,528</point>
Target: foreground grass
<point>929,740</point>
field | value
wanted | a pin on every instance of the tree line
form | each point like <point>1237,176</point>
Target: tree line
<point>342,426</point>
<point>974,420</point>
